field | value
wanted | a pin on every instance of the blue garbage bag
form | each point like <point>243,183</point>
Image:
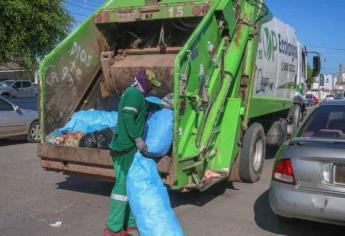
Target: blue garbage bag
<point>89,121</point>
<point>153,99</point>
<point>159,132</point>
<point>147,195</point>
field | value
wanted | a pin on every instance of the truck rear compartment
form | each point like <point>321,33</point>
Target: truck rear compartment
<point>203,52</point>
<point>133,46</point>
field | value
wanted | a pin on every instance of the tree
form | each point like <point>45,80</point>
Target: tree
<point>310,79</point>
<point>30,29</point>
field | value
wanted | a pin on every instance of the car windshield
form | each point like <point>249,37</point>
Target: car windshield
<point>6,83</point>
<point>326,121</point>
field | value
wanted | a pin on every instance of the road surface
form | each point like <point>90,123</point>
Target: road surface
<point>31,199</point>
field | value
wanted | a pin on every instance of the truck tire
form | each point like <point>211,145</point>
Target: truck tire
<point>296,117</point>
<point>34,135</point>
<point>277,134</point>
<point>252,153</point>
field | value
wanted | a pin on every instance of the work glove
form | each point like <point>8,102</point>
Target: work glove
<point>167,101</point>
<point>141,145</point>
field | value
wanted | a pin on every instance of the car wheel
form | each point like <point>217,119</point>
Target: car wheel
<point>6,95</point>
<point>253,153</point>
<point>34,135</point>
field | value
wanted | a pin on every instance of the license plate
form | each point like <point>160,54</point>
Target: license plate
<point>339,174</point>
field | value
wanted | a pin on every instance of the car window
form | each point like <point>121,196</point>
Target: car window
<point>6,83</point>
<point>325,122</point>
<point>26,84</point>
<point>5,106</point>
<point>17,84</point>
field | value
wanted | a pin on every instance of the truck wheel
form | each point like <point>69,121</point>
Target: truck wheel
<point>34,135</point>
<point>276,134</point>
<point>252,153</point>
<point>297,117</point>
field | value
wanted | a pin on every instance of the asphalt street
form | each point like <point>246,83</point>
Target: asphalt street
<point>31,199</point>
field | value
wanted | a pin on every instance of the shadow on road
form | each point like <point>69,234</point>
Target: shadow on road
<point>267,220</point>
<point>13,141</point>
<point>271,151</point>
<point>198,198</point>
<point>77,184</point>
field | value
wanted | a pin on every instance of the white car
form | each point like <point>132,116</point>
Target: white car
<point>329,97</point>
<point>15,121</point>
<point>18,88</point>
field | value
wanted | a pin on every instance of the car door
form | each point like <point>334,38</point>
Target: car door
<point>27,90</point>
<point>12,123</point>
<point>16,89</point>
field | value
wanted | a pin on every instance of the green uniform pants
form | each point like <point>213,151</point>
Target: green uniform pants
<point>120,215</point>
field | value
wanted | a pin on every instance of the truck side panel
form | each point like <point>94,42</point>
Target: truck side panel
<point>66,74</point>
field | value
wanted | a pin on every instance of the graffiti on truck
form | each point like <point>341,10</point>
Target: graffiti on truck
<point>73,72</point>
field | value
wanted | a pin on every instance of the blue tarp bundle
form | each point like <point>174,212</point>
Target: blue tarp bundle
<point>89,121</point>
<point>147,195</point>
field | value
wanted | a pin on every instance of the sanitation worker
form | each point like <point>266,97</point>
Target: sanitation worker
<point>128,138</point>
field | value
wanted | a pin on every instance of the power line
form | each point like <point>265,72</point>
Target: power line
<point>78,14</point>
<point>77,5</point>
<point>88,2</point>
<point>327,48</point>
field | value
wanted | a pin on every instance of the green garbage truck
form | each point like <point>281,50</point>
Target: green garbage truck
<point>237,75</point>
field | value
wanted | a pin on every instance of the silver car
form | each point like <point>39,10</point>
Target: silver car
<point>308,180</point>
<point>15,121</point>
<point>19,88</point>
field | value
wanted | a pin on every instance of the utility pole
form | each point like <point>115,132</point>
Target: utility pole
<point>340,81</point>
<point>332,84</point>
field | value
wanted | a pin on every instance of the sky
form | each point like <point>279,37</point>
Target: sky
<point>319,24</point>
<point>81,9</point>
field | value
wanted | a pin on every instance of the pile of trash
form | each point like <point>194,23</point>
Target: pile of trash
<point>89,129</point>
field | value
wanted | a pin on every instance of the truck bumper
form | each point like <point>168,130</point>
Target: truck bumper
<point>86,162</point>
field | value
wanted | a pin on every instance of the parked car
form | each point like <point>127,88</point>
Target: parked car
<point>339,96</point>
<point>308,180</point>
<point>18,88</point>
<point>329,97</point>
<point>15,121</point>
<point>311,100</point>
<point>308,101</point>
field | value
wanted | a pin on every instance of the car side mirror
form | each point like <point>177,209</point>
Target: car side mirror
<point>15,88</point>
<point>316,65</point>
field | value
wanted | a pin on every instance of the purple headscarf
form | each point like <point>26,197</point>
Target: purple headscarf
<point>142,81</point>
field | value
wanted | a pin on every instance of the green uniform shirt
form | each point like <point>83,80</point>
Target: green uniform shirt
<point>131,120</point>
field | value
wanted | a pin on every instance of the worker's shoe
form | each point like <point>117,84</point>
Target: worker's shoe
<point>108,232</point>
<point>133,231</point>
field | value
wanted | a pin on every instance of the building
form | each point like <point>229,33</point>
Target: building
<point>329,86</point>
<point>12,71</point>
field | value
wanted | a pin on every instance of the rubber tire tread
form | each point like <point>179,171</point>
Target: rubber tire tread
<point>296,120</point>
<point>275,140</point>
<point>29,137</point>
<point>246,169</point>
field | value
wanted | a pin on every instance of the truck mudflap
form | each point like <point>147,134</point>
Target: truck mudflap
<point>87,162</point>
